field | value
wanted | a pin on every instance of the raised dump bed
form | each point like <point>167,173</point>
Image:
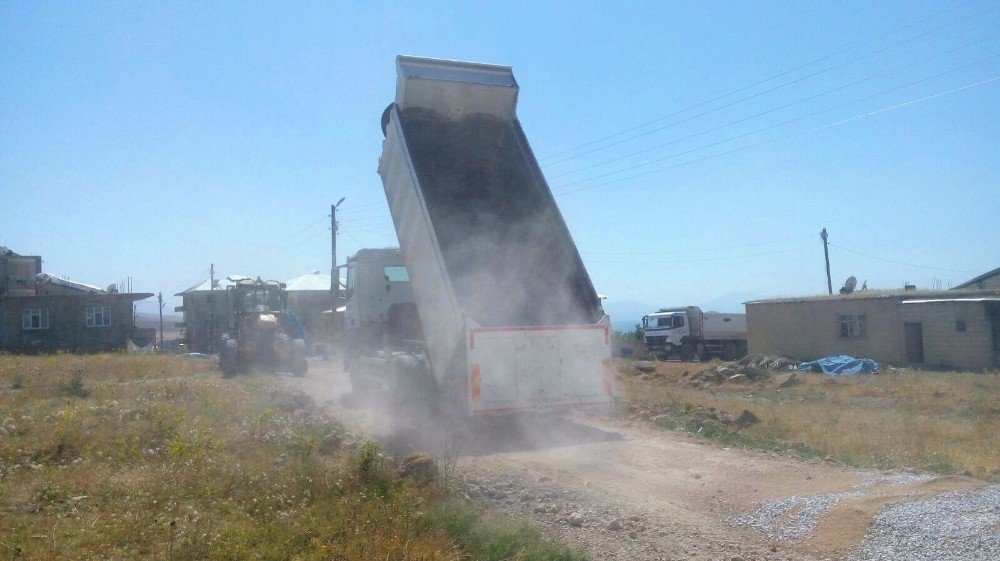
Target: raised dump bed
<point>510,316</point>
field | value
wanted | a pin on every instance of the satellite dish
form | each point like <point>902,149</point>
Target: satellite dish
<point>112,289</point>
<point>849,285</point>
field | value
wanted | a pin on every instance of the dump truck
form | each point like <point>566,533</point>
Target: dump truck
<point>261,332</point>
<point>504,316</point>
<point>687,333</point>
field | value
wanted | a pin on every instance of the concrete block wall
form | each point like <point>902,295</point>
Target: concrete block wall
<point>810,329</point>
<point>944,345</point>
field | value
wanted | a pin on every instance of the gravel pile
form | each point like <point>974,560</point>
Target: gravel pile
<point>608,531</point>
<point>793,518</point>
<point>901,479</point>
<point>953,526</point>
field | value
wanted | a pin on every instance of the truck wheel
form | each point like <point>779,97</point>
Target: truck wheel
<point>730,352</point>
<point>687,353</point>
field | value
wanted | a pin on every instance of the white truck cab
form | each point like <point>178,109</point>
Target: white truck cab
<point>688,333</point>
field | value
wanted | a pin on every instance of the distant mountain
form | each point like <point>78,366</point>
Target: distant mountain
<point>626,313</point>
<point>147,319</point>
<point>730,303</point>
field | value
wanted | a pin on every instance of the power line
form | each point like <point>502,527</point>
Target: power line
<point>703,250</point>
<point>758,94</point>
<point>776,125</point>
<point>893,261</point>
<point>368,205</point>
<point>778,139</point>
<point>772,110</point>
<point>704,259</point>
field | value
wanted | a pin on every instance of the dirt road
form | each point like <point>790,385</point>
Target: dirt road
<point>624,490</point>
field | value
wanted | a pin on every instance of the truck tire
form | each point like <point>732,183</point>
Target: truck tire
<point>687,353</point>
<point>730,352</point>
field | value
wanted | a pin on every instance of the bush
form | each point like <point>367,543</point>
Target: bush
<point>74,386</point>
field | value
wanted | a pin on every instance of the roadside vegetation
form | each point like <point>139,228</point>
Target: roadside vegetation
<point>154,457</point>
<point>944,422</point>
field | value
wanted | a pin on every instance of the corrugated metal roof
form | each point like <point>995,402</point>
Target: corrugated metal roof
<point>878,294</point>
<point>206,285</point>
<point>982,277</point>
<point>952,300</point>
<point>66,283</point>
<point>312,281</point>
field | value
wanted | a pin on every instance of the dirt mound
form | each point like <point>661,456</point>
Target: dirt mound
<point>419,467</point>
<point>734,374</point>
<point>768,362</point>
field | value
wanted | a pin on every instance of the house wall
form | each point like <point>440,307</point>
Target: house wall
<point>308,306</point>
<point>989,283</point>
<point>202,310</point>
<point>67,323</point>
<point>944,345</point>
<point>808,330</point>
<point>17,274</point>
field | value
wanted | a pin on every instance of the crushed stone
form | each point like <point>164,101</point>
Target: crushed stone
<point>949,527</point>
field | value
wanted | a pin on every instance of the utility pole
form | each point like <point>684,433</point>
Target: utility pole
<point>826,256</point>
<point>211,309</point>
<point>159,298</point>
<point>334,272</point>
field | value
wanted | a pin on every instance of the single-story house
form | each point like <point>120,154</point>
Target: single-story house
<point>956,329</point>
<point>308,297</point>
<point>205,315</point>
<point>40,312</point>
<point>985,281</point>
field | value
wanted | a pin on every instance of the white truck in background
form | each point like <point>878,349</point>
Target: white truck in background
<point>504,317</point>
<point>687,333</point>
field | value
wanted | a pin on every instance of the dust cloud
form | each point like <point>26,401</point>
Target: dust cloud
<point>509,256</point>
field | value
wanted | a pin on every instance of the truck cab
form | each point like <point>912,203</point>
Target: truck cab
<point>380,314</point>
<point>669,333</point>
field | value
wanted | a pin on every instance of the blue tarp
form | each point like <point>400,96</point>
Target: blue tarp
<point>840,365</point>
<point>295,327</point>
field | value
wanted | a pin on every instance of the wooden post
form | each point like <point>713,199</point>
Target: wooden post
<point>826,257</point>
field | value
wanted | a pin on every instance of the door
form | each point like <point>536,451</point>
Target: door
<point>914,342</point>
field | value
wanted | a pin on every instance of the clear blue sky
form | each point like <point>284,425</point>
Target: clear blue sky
<point>151,139</point>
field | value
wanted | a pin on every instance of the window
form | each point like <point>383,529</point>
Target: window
<point>396,273</point>
<point>35,318</point>
<point>960,324</point>
<point>98,316</point>
<point>352,277</point>
<point>665,321</point>
<point>853,326</point>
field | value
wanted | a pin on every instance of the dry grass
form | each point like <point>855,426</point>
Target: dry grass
<point>120,457</point>
<point>938,421</point>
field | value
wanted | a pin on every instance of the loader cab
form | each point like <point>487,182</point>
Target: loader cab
<point>249,297</point>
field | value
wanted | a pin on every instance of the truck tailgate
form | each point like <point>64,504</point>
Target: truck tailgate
<point>538,367</point>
